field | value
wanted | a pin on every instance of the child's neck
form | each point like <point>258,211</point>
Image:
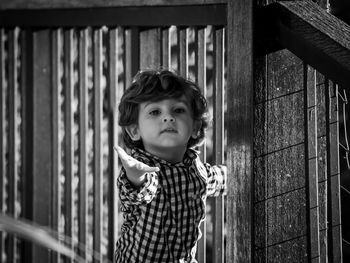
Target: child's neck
<point>172,155</point>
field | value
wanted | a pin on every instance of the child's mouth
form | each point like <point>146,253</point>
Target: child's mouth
<point>168,130</point>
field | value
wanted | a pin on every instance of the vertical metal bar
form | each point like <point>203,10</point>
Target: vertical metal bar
<point>165,48</point>
<point>113,91</point>
<point>2,130</point>
<point>56,150</point>
<point>69,151</point>
<point>83,130</point>
<point>218,101</point>
<point>183,51</point>
<point>200,57</point>
<point>97,72</point>
<point>13,140</point>
<point>131,53</point>
<point>311,168</point>
<point>333,174</point>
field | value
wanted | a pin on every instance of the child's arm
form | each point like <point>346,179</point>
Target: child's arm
<point>136,171</point>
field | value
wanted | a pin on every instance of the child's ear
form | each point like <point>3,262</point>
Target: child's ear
<point>133,132</point>
<point>196,127</point>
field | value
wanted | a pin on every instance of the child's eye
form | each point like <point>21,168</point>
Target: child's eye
<point>154,112</point>
<point>180,110</point>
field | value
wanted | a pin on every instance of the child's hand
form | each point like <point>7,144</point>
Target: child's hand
<point>135,170</point>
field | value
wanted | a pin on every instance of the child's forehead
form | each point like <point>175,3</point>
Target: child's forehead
<point>166,101</point>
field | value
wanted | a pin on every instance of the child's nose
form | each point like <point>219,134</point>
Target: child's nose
<point>169,118</point>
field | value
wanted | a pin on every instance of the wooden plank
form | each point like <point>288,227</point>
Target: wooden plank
<point>165,48</point>
<point>312,202</point>
<point>13,137</point>
<point>69,140</point>
<point>310,32</point>
<point>290,251</point>
<point>286,218</point>
<point>218,102</point>
<point>26,145</point>
<point>259,221</point>
<point>182,39</point>
<point>97,141</point>
<point>42,135</point>
<point>322,165</point>
<point>114,91</point>
<point>3,132</point>
<point>150,48</point>
<point>116,16</point>
<point>200,58</point>
<point>56,53</point>
<point>333,174</point>
<point>37,4</point>
<point>239,130</point>
<point>131,54</point>
<point>83,147</point>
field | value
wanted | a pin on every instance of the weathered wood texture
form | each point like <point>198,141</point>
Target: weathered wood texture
<point>239,130</point>
<point>121,16</point>
<point>293,152</point>
<point>280,214</point>
<point>43,4</point>
<point>322,40</point>
<point>333,173</point>
<point>322,165</point>
<point>311,166</point>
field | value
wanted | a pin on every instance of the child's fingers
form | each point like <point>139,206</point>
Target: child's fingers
<point>121,153</point>
<point>129,161</point>
<point>146,168</point>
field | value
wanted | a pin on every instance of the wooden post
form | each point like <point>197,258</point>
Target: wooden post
<point>239,130</point>
<point>333,174</point>
<point>311,168</point>
<point>131,54</point>
<point>150,49</point>
<point>42,137</point>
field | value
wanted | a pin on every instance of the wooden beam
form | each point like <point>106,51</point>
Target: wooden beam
<point>42,136</point>
<point>307,30</point>
<point>143,16</point>
<point>239,130</point>
<point>53,4</point>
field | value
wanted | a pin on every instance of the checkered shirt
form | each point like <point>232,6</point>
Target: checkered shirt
<point>162,217</point>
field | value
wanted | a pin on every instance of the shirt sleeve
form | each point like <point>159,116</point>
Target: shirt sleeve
<point>131,195</point>
<point>216,179</point>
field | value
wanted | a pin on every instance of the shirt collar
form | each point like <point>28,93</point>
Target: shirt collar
<point>189,157</point>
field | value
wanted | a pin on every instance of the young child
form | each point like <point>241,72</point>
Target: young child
<point>163,185</point>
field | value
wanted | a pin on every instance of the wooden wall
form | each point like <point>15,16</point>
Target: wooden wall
<point>294,187</point>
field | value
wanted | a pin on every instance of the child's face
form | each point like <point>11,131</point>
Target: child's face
<point>164,126</point>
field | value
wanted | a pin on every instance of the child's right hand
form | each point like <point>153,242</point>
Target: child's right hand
<point>135,170</point>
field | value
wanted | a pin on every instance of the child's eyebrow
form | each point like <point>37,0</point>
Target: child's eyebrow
<point>184,101</point>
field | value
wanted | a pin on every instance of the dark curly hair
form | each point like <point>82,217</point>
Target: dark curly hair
<point>153,85</point>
